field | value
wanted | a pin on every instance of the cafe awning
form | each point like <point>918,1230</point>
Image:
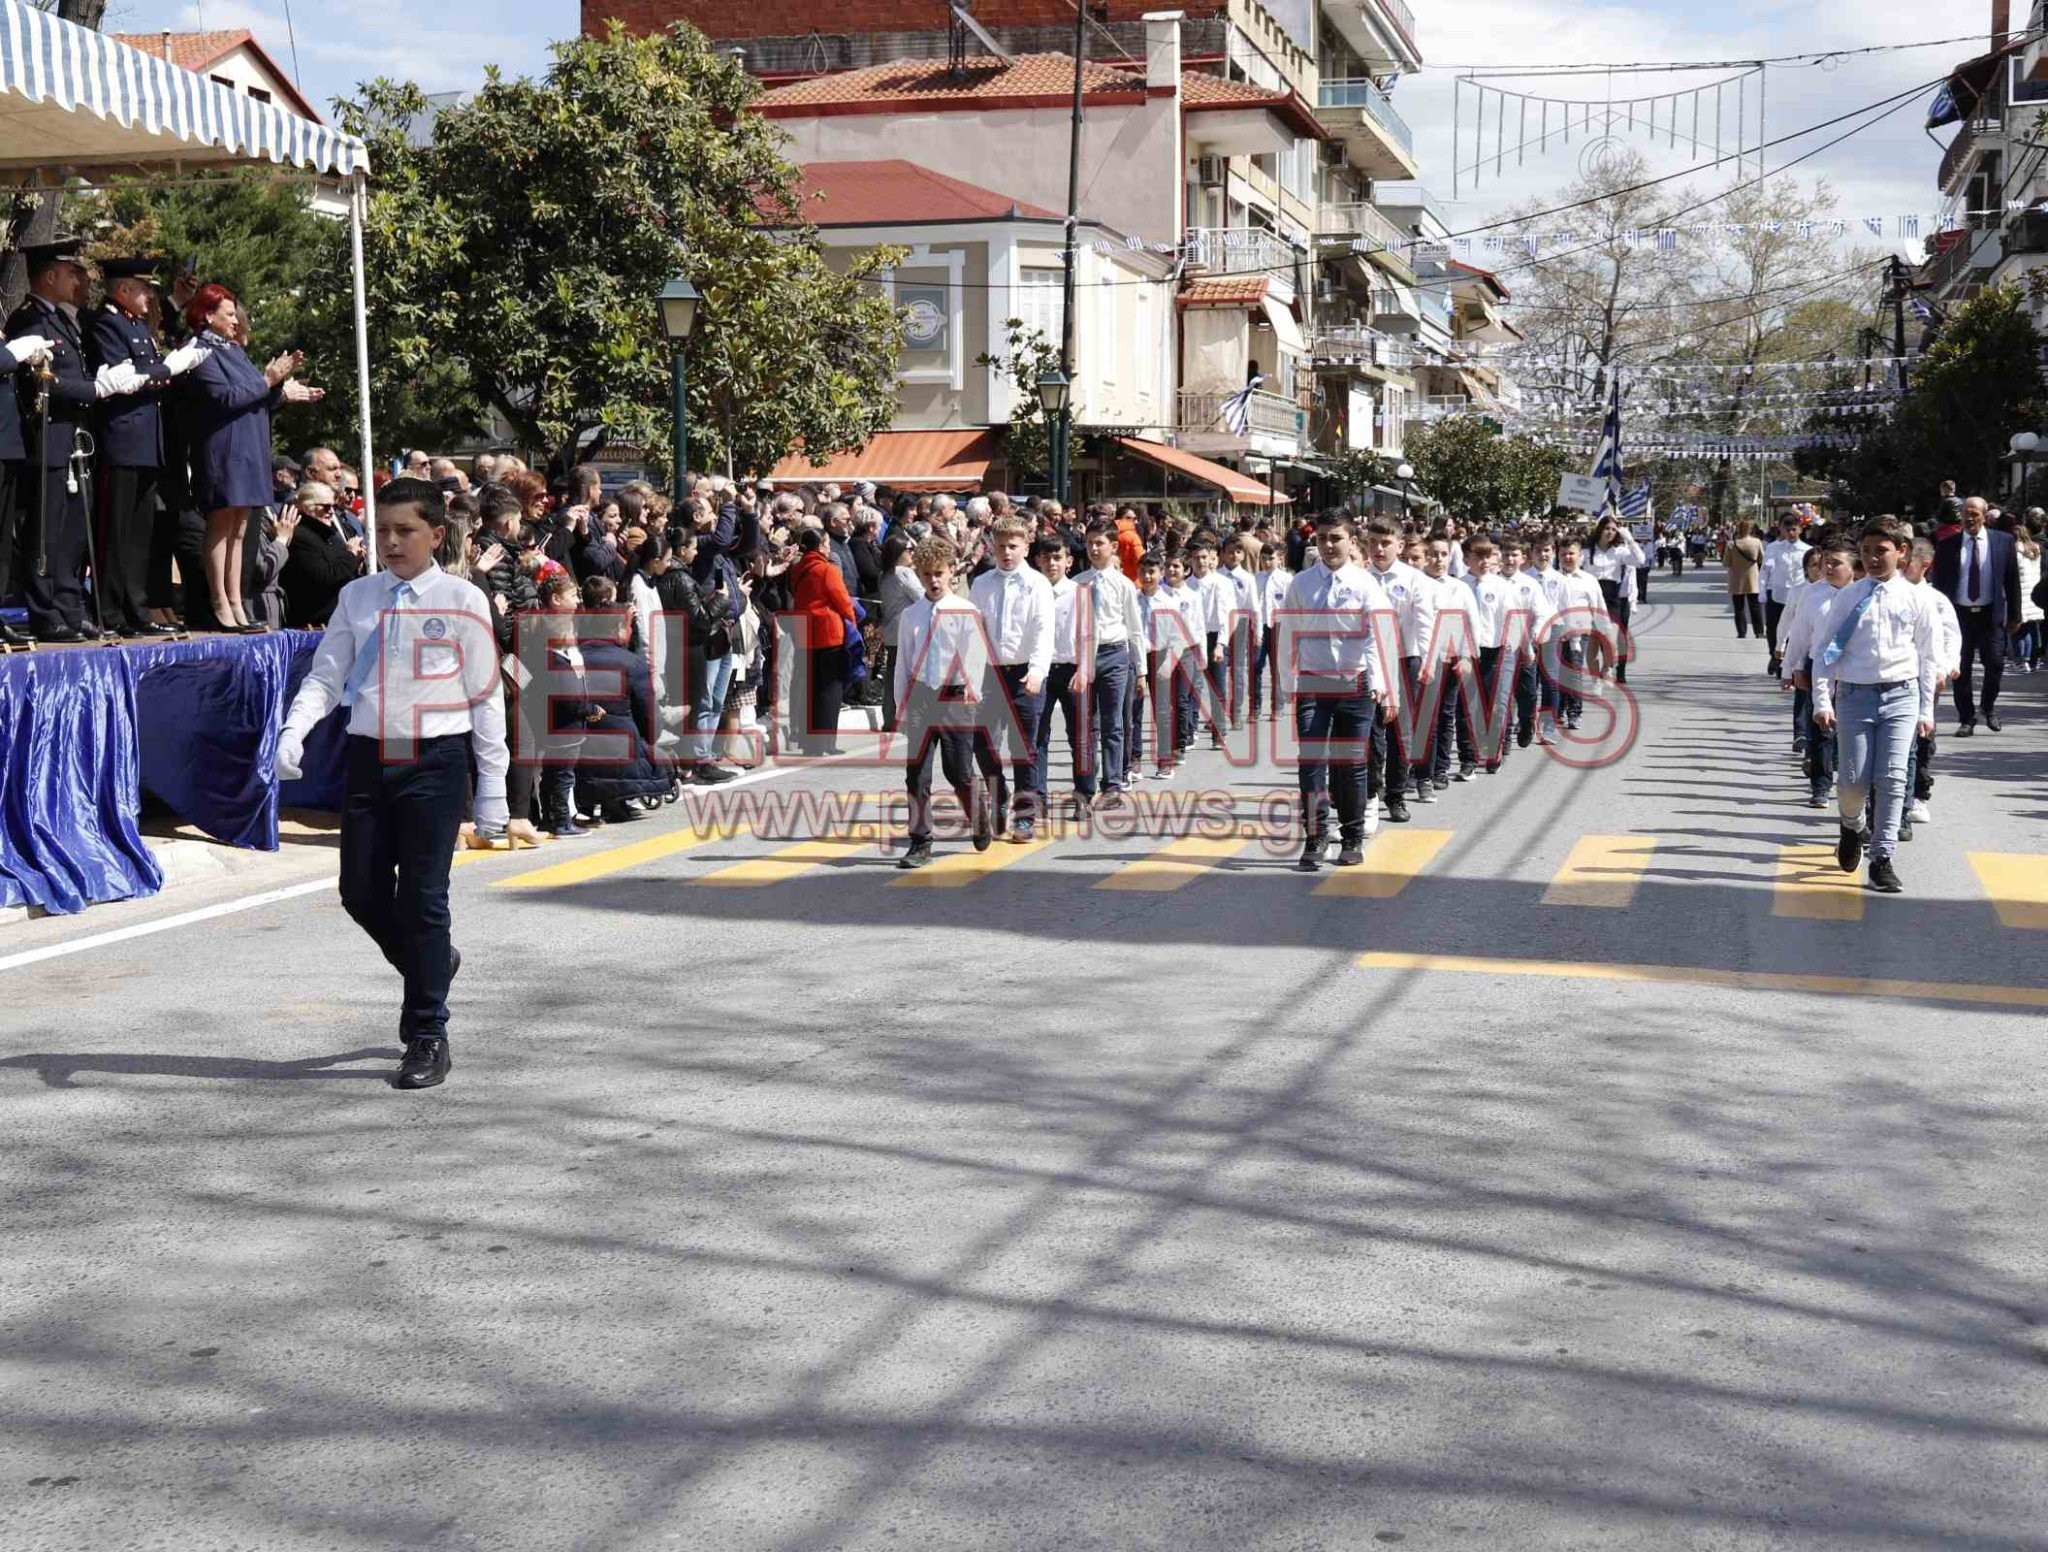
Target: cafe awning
<point>1241,488</point>
<point>903,460</point>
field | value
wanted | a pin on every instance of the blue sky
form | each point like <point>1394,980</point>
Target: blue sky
<point>1887,171</point>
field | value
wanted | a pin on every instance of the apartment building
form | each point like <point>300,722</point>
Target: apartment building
<point>1254,138</point>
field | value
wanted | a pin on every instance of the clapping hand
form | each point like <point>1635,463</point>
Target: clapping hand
<point>490,559</point>
<point>282,367</point>
<point>296,392</point>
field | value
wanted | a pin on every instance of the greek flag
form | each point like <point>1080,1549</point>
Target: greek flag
<point>1236,413</point>
<point>1636,504</point>
<point>1607,465</point>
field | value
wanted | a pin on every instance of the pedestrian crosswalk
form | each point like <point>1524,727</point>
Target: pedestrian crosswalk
<point>1595,873</point>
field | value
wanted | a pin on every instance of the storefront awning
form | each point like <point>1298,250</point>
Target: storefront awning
<point>903,460</point>
<point>1241,488</point>
<point>74,99</point>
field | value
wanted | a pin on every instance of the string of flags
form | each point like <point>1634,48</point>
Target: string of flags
<point>1552,360</point>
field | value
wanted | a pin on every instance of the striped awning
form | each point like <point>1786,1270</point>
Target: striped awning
<point>75,100</point>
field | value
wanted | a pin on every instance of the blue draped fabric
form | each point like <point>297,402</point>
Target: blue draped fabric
<point>84,733</point>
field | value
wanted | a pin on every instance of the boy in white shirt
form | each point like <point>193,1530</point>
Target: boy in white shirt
<point>1582,614</point>
<point>1111,640</point>
<point>1273,581</point>
<point>1834,570</point>
<point>1246,633</point>
<point>398,642</point>
<point>1219,597</point>
<point>1016,605</point>
<point>1451,649</point>
<point>1144,663</point>
<point>941,661</point>
<point>1413,601</point>
<point>1919,765</point>
<point>1178,629</point>
<point>1051,557</point>
<point>1494,599</point>
<point>1875,672</point>
<point>1810,569</point>
<point>1528,618</point>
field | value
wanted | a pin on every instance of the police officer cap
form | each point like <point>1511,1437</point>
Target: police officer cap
<point>147,267</point>
<point>41,256</point>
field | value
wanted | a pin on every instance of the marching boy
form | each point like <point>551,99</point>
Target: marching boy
<point>410,651</point>
<point>1874,675</point>
<point>941,656</point>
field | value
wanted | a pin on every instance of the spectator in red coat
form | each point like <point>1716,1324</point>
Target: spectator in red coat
<point>827,608</point>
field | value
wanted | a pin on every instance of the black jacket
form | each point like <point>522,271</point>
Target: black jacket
<point>507,580</point>
<point>318,567</point>
<point>71,396</point>
<point>131,424</point>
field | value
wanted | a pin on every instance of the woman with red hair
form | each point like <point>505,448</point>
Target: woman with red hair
<point>231,399</point>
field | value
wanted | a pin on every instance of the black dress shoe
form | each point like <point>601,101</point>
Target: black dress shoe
<point>10,637</point>
<point>984,816</point>
<point>1882,878</point>
<point>426,1063</point>
<point>66,637</point>
<point>150,630</point>
<point>1849,849</point>
<point>1991,721</point>
<point>1965,729</point>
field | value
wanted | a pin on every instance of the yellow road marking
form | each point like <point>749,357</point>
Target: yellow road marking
<point>780,866</point>
<point>1391,860</point>
<point>1811,885</point>
<point>2017,884</point>
<point>1174,866</point>
<point>956,870</point>
<point>600,864</point>
<point>1603,872</point>
<point>1733,980</point>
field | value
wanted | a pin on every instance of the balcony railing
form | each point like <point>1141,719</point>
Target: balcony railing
<point>1360,92</point>
<point>1403,17</point>
<point>1268,415</point>
<point>1977,135</point>
<point>1365,346</point>
<point>1242,250</point>
<point>1364,221</point>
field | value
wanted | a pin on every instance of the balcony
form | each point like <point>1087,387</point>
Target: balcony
<point>1377,140</point>
<point>1353,344</point>
<point>1975,138</point>
<point>1381,32</point>
<point>1273,423</point>
<point>1245,250</point>
<point>1365,230</point>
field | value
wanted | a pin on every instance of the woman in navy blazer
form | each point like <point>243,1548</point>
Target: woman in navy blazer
<point>231,399</point>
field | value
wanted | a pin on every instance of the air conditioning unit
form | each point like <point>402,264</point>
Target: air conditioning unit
<point>1210,171</point>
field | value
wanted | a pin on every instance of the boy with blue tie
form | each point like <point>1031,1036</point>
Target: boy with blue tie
<point>411,652</point>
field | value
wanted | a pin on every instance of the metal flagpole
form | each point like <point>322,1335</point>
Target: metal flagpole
<point>358,200</point>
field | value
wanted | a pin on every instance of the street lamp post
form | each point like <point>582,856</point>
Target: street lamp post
<point>678,302</point>
<point>1055,397</point>
<point>2024,445</point>
<point>1406,475</point>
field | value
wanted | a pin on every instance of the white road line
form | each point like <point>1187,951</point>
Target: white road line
<point>35,956</point>
<point>164,924</point>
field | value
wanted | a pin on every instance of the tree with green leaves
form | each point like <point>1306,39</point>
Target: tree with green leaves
<point>1027,356</point>
<point>525,232</point>
<point>1473,471</point>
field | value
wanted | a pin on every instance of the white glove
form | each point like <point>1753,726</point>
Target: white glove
<point>116,378</point>
<point>30,347</point>
<point>186,357</point>
<point>291,755</point>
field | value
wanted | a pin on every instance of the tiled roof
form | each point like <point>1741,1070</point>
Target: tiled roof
<point>891,193</point>
<point>932,82</point>
<point>1224,291</point>
<point>187,50</point>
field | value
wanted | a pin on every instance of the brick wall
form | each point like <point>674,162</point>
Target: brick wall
<point>722,19</point>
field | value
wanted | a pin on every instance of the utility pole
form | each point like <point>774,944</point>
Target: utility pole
<point>1063,432</point>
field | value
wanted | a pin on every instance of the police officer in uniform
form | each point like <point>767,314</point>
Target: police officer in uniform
<point>18,358</point>
<point>51,500</point>
<point>133,449</point>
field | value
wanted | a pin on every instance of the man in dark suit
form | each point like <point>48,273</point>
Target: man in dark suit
<point>1979,568</point>
<point>132,444</point>
<point>52,513</point>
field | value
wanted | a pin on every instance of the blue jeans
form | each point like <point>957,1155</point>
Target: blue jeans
<point>708,705</point>
<point>1109,692</point>
<point>1874,730</point>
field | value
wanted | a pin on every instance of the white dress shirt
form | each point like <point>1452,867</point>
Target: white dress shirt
<point>1456,633</point>
<point>1176,620</point>
<point>1898,638</point>
<point>1784,564</point>
<point>1532,600</point>
<point>1798,644</point>
<point>1493,599</point>
<point>1326,625</point>
<point>1017,606</point>
<point>940,645</point>
<point>437,676</point>
<point>1063,597</point>
<point>1551,580</point>
<point>1219,597</point>
<point>1119,617</point>
<point>1412,597</point>
<point>1617,563</point>
<point>1273,587</point>
<point>1949,657</point>
<point>1247,584</point>
<point>1582,604</point>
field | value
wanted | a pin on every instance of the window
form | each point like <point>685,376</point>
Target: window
<point>1108,300</point>
<point>221,80</point>
<point>259,94</point>
<point>1039,293</point>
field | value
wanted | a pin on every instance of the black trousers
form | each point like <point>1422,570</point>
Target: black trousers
<point>52,560</point>
<point>828,694</point>
<point>1391,755</point>
<point>127,532</point>
<point>10,525</point>
<point>1025,709</point>
<point>962,750</point>
<point>1620,608</point>
<point>1774,611</point>
<point>1334,718</point>
<point>1643,584</point>
<point>1982,642</point>
<point>1749,615</point>
<point>399,821</point>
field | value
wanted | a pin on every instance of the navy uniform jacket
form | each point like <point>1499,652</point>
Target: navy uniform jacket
<point>71,395</point>
<point>12,447</point>
<point>230,403</point>
<point>2001,581</point>
<point>131,424</point>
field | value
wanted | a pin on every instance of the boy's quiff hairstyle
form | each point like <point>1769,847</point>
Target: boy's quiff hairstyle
<point>1383,528</point>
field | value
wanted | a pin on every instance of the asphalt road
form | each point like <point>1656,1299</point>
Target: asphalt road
<point>1522,1190</point>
